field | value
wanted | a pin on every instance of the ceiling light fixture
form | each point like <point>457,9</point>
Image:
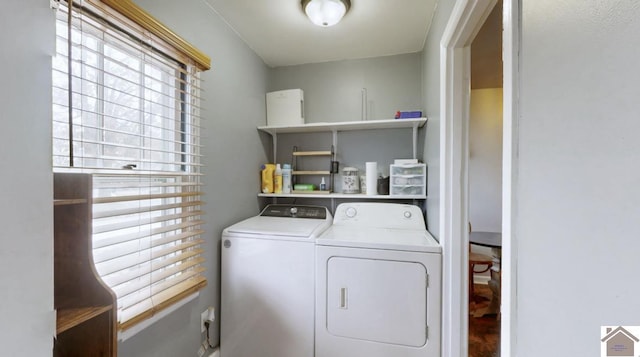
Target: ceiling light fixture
<point>325,13</point>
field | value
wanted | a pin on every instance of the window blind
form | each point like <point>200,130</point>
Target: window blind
<point>126,109</point>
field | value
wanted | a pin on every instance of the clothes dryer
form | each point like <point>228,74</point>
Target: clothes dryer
<point>378,283</point>
<point>267,278</point>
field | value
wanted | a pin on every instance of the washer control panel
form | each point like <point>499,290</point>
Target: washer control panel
<point>294,211</point>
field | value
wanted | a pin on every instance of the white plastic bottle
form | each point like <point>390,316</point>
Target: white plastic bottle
<point>286,178</point>
<point>277,179</point>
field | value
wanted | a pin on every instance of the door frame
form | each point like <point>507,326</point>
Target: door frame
<point>466,19</point>
<point>511,78</point>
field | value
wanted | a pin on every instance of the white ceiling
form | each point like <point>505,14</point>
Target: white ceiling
<point>280,33</point>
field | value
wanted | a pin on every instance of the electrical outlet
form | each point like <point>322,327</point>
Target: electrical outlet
<point>207,315</point>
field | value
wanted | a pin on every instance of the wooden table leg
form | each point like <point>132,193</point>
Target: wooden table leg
<point>495,283</point>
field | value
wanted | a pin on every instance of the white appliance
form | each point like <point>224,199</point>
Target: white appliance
<point>267,276</point>
<point>378,284</point>
<point>285,107</point>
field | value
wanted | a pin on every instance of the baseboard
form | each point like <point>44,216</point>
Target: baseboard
<point>481,279</point>
<point>215,353</point>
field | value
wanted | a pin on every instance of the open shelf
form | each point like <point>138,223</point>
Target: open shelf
<point>414,124</point>
<point>68,318</point>
<point>70,201</point>
<point>303,193</point>
<point>345,126</point>
<point>311,173</point>
<point>343,196</point>
<point>312,153</point>
<point>85,306</point>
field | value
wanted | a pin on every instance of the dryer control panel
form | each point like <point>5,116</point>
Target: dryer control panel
<point>294,211</point>
<point>379,215</point>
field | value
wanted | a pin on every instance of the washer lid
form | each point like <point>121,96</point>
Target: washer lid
<point>380,238</point>
<point>279,226</point>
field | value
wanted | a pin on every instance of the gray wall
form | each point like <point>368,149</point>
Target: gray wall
<point>233,108</point>
<point>354,149</point>
<point>577,197</point>
<point>431,103</point>
<point>333,90</point>
<point>333,93</point>
<point>27,320</point>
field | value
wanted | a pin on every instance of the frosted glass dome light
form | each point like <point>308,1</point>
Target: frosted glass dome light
<point>325,13</point>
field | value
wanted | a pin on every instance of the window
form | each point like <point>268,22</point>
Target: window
<point>126,109</point>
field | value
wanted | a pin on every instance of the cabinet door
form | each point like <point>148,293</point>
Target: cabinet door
<point>377,300</point>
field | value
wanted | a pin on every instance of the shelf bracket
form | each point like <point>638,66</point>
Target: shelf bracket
<point>274,140</point>
<point>415,140</point>
<point>334,141</point>
<point>334,154</point>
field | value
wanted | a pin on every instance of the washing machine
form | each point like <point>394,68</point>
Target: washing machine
<point>378,283</point>
<point>267,282</point>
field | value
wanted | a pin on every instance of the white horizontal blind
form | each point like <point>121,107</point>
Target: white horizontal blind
<point>146,239</point>
<point>127,109</point>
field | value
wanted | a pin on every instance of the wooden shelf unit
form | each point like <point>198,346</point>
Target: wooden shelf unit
<point>301,154</point>
<point>85,306</point>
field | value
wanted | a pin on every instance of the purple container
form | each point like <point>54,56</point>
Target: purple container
<point>408,115</point>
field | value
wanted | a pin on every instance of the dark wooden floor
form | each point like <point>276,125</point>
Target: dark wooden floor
<point>484,332</point>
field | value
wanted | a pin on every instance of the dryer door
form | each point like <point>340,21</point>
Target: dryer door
<point>377,300</point>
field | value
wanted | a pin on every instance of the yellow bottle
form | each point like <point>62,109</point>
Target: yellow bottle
<point>277,179</point>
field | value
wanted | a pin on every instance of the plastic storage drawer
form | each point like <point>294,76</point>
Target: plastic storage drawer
<point>408,180</point>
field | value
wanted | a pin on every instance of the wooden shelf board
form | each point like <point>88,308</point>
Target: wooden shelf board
<point>315,194</point>
<point>68,318</point>
<point>69,201</point>
<point>345,126</point>
<point>311,173</point>
<point>312,153</point>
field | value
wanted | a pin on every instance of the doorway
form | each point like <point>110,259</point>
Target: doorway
<point>485,186</point>
<point>467,18</point>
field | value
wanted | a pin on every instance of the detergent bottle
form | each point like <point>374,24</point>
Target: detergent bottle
<point>277,179</point>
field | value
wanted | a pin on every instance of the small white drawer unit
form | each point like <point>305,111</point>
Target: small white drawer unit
<point>408,179</point>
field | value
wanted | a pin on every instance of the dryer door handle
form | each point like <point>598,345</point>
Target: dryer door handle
<point>344,298</point>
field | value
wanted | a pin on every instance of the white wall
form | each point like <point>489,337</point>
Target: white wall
<point>485,160</point>
<point>27,320</point>
<point>485,165</point>
<point>578,195</point>
<point>233,107</point>
<point>431,105</point>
